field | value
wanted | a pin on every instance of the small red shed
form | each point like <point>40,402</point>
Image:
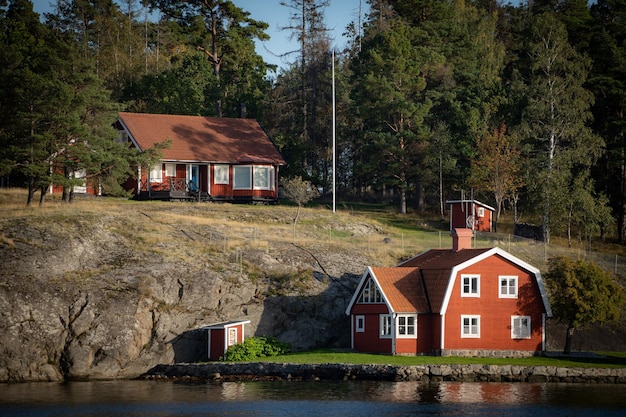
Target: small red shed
<point>223,335</point>
<point>458,301</point>
<point>471,214</point>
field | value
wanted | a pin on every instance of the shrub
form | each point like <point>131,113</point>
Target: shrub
<point>254,348</point>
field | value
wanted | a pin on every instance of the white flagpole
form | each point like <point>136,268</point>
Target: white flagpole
<point>334,150</point>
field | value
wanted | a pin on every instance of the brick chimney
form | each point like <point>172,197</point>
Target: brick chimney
<point>461,239</point>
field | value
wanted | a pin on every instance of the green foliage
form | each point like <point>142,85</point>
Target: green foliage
<point>256,347</point>
<point>581,294</point>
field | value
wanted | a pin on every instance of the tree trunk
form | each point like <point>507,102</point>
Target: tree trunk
<point>568,339</point>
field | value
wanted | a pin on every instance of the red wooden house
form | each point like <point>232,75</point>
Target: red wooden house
<point>221,336</point>
<point>458,301</point>
<point>471,214</point>
<point>210,158</point>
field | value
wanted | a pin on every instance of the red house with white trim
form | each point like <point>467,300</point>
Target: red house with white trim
<point>459,301</point>
<point>221,336</point>
<point>471,214</point>
<point>210,158</point>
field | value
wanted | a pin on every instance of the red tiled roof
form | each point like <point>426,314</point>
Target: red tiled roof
<point>203,139</point>
<point>402,288</point>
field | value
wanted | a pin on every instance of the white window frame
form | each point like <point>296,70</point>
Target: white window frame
<point>404,330</point>
<point>386,326</point>
<point>232,336</point>
<point>518,330</point>
<point>269,177</point>
<point>221,174</point>
<point>470,278</point>
<point>359,324</point>
<point>472,329</point>
<point>504,291</point>
<point>156,173</point>
<point>249,184</point>
<point>370,294</point>
<point>170,170</point>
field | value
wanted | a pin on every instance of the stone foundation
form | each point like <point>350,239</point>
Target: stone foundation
<point>490,353</point>
<point>256,371</point>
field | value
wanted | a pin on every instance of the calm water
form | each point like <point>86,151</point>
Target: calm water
<point>319,399</point>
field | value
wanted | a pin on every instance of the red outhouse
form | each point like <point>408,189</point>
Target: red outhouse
<point>223,335</point>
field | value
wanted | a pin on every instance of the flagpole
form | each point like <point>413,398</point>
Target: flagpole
<point>334,145</point>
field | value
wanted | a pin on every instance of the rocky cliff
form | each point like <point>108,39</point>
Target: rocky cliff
<point>101,293</point>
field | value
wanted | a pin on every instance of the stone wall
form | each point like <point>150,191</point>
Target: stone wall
<point>221,371</point>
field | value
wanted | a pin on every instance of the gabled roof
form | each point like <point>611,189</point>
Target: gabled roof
<point>425,282</point>
<point>478,203</point>
<point>225,324</point>
<point>202,139</point>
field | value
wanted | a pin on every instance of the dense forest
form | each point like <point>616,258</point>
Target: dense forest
<point>519,105</point>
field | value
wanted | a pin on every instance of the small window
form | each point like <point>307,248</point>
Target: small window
<point>385,325</point>
<point>360,324</point>
<point>242,178</point>
<point>220,174</point>
<point>407,326</point>
<point>470,327</point>
<point>470,285</point>
<point>232,336</point>
<point>508,287</point>
<point>520,327</point>
<point>480,212</point>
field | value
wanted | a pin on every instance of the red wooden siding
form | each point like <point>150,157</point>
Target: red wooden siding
<point>495,313</point>
<point>370,340</point>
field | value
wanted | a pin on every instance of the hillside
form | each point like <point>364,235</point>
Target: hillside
<point>108,288</point>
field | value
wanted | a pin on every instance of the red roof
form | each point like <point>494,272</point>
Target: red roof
<point>402,288</point>
<point>202,139</point>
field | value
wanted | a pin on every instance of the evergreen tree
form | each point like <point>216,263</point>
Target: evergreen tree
<point>557,119</point>
<point>225,34</point>
<point>389,92</point>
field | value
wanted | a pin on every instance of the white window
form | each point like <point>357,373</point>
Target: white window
<point>520,327</point>
<point>263,178</point>
<point>360,324</point>
<point>406,326</point>
<point>508,287</point>
<point>170,170</point>
<point>480,212</point>
<point>470,285</point>
<point>232,336</point>
<point>156,173</point>
<point>220,174</point>
<point>242,177</point>
<point>385,325</point>
<point>370,294</point>
<point>470,327</point>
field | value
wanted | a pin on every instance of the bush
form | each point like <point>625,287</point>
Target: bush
<point>254,348</point>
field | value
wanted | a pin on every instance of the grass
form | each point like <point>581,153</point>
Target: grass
<point>324,356</point>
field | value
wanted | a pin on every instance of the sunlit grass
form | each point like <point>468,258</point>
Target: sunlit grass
<point>324,356</point>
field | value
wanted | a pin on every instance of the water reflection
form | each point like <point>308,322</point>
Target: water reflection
<point>355,398</point>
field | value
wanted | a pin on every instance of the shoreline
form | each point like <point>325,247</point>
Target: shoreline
<point>269,371</point>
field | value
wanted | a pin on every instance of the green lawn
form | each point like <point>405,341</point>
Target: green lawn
<point>323,356</point>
